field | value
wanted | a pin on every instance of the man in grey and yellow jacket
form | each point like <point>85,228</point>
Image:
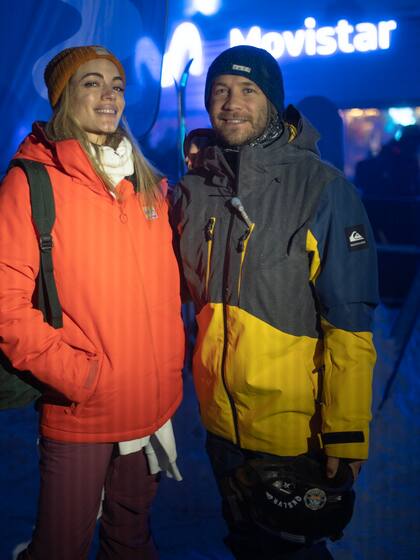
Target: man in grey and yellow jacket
<point>278,257</point>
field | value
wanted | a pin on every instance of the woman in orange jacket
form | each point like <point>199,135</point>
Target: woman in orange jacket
<point>112,374</point>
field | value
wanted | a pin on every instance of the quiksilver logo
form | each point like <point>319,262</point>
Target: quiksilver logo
<point>356,237</point>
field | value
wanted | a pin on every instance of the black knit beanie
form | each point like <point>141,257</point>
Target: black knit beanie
<point>256,64</point>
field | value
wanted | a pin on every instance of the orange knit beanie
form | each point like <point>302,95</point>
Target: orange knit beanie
<point>62,67</point>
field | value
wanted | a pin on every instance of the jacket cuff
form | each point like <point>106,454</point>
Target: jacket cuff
<point>346,445</point>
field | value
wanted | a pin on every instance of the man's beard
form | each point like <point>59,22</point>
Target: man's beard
<point>262,133</point>
<point>245,134</point>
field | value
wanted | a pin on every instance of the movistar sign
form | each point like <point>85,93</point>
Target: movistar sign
<point>342,38</point>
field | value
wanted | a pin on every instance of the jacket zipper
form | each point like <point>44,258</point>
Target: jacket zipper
<point>209,234</point>
<point>225,289</point>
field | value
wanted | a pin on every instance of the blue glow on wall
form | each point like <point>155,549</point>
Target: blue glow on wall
<point>34,33</point>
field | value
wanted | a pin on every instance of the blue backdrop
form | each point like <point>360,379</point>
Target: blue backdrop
<point>32,32</point>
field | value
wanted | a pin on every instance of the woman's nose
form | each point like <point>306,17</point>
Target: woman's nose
<point>108,92</point>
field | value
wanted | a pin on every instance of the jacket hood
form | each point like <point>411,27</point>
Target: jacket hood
<point>65,155</point>
<point>307,135</point>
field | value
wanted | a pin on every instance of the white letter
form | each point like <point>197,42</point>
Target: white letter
<point>273,43</point>
<point>147,54</point>
<point>384,33</point>
<point>343,30</point>
<point>325,38</point>
<point>366,38</point>
<point>185,44</point>
<point>206,7</point>
<point>294,41</point>
<point>253,38</point>
<point>310,39</point>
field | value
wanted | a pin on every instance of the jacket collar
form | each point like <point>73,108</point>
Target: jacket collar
<point>67,156</point>
<point>263,158</point>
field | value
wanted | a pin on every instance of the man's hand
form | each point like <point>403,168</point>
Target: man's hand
<point>332,466</point>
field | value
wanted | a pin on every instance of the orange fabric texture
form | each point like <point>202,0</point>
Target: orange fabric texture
<point>113,372</point>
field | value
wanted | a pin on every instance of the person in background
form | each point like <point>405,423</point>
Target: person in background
<point>395,170</point>
<point>279,260</point>
<point>111,376</point>
<point>194,142</point>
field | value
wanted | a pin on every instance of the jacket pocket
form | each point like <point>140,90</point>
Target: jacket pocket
<point>280,244</point>
<point>326,382</point>
<point>90,383</point>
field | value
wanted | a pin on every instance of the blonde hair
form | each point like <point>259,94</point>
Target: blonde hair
<point>63,126</point>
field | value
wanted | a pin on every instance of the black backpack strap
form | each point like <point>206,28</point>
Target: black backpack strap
<point>43,214</point>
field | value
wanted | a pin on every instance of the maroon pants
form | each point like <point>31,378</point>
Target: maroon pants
<point>72,478</point>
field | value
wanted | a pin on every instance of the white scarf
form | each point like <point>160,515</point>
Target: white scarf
<point>118,163</point>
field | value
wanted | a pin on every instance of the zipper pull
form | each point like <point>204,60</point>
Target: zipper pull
<point>209,229</point>
<point>242,239</point>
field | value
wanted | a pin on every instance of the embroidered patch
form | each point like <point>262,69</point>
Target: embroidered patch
<point>356,237</point>
<point>315,499</point>
<point>241,68</point>
<point>150,212</point>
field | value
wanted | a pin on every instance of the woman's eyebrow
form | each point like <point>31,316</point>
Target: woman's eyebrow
<point>99,76</point>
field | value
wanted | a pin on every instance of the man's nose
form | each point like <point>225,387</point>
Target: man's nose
<point>233,101</point>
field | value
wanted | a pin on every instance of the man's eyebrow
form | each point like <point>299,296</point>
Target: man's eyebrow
<point>247,83</point>
<point>242,83</point>
<point>99,75</point>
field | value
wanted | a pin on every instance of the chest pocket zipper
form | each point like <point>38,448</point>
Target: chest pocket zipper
<point>242,245</point>
<point>209,234</point>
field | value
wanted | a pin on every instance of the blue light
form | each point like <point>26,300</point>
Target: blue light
<point>186,43</point>
<point>206,7</point>
<point>402,115</point>
<point>343,38</point>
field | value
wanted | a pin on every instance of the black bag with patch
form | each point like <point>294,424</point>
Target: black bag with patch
<point>20,388</point>
<point>293,499</point>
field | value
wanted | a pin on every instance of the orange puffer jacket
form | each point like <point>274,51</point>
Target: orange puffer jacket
<point>113,372</point>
